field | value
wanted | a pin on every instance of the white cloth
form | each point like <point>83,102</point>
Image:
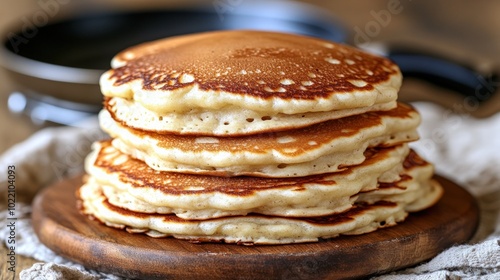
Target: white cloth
<point>462,148</point>
<point>52,271</point>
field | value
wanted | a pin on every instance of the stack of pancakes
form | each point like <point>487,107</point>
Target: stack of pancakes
<point>254,137</point>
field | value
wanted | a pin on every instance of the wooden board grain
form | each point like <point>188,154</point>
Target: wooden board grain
<point>423,235</point>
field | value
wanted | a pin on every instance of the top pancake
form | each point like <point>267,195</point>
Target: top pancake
<point>260,71</point>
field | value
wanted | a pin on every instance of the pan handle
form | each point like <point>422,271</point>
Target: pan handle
<point>40,111</point>
<point>462,79</point>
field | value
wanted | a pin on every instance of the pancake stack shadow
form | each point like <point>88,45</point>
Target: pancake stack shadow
<point>254,137</point>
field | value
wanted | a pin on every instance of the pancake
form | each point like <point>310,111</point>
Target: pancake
<point>254,137</point>
<point>201,196</point>
<point>416,195</point>
<point>320,148</point>
<point>338,191</point>
<point>416,188</point>
<point>271,73</point>
<point>249,229</point>
<point>383,206</point>
<point>227,121</point>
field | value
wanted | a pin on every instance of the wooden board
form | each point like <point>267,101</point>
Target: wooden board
<point>423,235</point>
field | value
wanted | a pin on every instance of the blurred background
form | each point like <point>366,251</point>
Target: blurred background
<point>439,37</point>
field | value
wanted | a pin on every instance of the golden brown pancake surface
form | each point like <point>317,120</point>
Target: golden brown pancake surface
<point>253,63</point>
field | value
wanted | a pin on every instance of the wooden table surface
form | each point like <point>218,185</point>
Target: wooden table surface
<point>463,30</point>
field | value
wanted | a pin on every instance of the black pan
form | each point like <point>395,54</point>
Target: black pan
<point>56,69</point>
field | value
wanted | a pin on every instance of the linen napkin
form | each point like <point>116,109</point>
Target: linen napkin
<point>464,149</point>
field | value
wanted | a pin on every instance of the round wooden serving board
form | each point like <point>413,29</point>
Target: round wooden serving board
<point>423,235</point>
